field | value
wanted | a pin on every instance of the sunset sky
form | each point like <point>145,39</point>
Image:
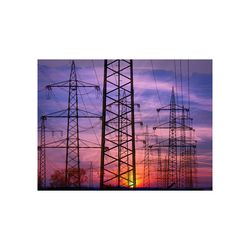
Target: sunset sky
<point>153,81</point>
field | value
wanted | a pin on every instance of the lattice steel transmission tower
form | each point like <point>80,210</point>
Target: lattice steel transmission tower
<point>161,178</point>
<point>170,167</point>
<point>172,171</point>
<point>191,171</point>
<point>42,164</point>
<point>183,152</point>
<point>146,170</point>
<point>72,143</point>
<point>181,147</point>
<point>91,172</point>
<point>118,168</point>
<point>72,170</point>
<point>42,156</point>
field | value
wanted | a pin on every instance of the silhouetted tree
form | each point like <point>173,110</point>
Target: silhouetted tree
<point>57,178</point>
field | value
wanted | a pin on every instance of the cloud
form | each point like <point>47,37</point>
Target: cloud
<point>203,133</point>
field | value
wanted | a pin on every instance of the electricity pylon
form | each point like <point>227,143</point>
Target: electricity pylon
<point>178,176</point>
<point>146,170</point>
<point>118,168</point>
<point>42,167</point>
<point>72,143</point>
<point>172,171</point>
<point>42,156</point>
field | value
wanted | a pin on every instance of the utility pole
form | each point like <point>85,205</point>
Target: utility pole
<point>118,170</point>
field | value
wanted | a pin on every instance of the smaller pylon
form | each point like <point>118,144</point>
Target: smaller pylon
<point>160,181</point>
<point>182,171</point>
<point>91,170</point>
<point>42,156</point>
<point>146,171</point>
<point>172,172</point>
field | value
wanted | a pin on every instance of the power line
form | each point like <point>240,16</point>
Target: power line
<point>181,84</point>
<point>188,86</point>
<point>90,120</point>
<point>176,84</point>
<point>155,82</point>
<point>93,63</point>
<point>56,100</point>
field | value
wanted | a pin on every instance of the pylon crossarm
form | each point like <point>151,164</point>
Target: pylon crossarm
<point>159,126</point>
<point>88,85</point>
<point>64,84</point>
<point>87,114</point>
<point>55,144</point>
<point>170,127</point>
<point>57,85</point>
<point>175,107</point>
<point>81,114</point>
<point>62,144</point>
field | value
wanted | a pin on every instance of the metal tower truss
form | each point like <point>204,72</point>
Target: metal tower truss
<point>42,156</point>
<point>72,143</point>
<point>91,172</point>
<point>183,169</point>
<point>172,170</point>
<point>146,170</point>
<point>191,157</point>
<point>161,179</point>
<point>118,170</point>
<point>42,167</point>
<point>178,175</point>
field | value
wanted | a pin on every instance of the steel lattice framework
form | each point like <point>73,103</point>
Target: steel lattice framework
<point>72,169</point>
<point>172,171</point>
<point>118,169</point>
<point>146,170</point>
<point>177,174</point>
<point>125,138</point>
<point>161,179</point>
<point>91,172</point>
<point>183,153</point>
<point>191,170</point>
<point>42,167</point>
<point>42,156</point>
<point>72,143</point>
